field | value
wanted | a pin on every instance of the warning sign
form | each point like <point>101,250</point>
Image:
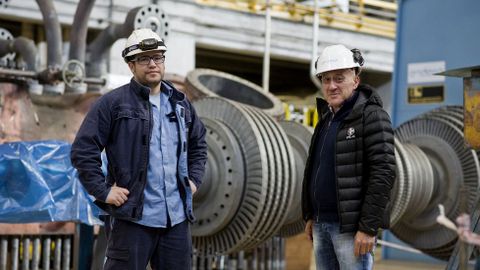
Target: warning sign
<point>471,87</point>
<point>426,94</point>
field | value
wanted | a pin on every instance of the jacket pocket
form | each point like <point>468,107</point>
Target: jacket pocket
<point>129,113</point>
<point>128,127</point>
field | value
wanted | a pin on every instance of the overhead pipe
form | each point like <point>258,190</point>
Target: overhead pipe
<point>54,41</point>
<point>78,36</point>
<point>53,32</point>
<point>266,55</point>
<point>99,47</point>
<point>23,47</point>
<point>316,25</point>
<point>43,77</point>
<point>26,49</point>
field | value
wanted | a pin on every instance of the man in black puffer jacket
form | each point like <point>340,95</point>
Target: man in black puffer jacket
<point>350,170</point>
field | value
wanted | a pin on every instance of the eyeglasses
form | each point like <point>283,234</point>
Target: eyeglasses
<point>338,79</point>
<point>145,59</point>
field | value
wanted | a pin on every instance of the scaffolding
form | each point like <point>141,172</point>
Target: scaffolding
<point>376,17</point>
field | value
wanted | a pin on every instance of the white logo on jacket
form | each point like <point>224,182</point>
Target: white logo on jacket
<point>350,133</point>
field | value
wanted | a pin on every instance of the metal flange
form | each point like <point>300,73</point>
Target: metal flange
<point>402,189</point>
<point>220,194</point>
<point>421,181</point>
<point>231,237</point>
<point>4,3</point>
<point>209,82</point>
<point>438,136</point>
<point>153,17</point>
<point>299,137</point>
<point>268,175</point>
<point>281,177</point>
<point>6,35</point>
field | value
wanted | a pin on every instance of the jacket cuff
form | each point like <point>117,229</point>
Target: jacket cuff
<point>102,196</point>
<point>367,230</point>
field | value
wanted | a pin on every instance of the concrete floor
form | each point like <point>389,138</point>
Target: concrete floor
<point>299,256</point>
<point>402,265</point>
<point>399,265</point>
<point>380,264</point>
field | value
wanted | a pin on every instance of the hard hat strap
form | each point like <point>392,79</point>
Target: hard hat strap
<point>144,45</point>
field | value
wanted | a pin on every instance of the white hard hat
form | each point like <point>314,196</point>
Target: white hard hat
<point>338,57</point>
<point>143,40</point>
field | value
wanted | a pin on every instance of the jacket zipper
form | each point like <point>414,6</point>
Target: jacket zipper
<point>316,174</point>
<point>179,138</point>
<point>181,147</point>
<point>147,156</point>
<point>340,126</point>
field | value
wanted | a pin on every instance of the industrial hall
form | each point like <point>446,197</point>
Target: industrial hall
<point>239,135</point>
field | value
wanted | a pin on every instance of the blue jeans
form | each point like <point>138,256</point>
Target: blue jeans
<point>335,250</point>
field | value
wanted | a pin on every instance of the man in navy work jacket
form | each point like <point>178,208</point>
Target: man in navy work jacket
<point>350,170</point>
<point>156,151</point>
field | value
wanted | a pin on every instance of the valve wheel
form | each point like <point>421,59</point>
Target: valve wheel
<point>73,73</point>
<point>6,35</point>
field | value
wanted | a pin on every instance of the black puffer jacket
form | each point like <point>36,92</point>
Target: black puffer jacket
<point>364,164</point>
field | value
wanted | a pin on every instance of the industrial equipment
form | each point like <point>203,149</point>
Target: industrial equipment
<point>433,163</point>
<point>251,190</point>
<point>203,82</point>
<point>428,112</point>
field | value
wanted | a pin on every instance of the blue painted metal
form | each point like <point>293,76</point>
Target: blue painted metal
<point>433,30</point>
<point>389,253</point>
<point>428,31</point>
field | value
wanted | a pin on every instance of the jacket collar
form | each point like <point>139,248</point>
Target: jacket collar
<point>346,107</point>
<point>139,89</point>
<point>144,92</point>
<point>366,94</point>
<point>174,95</point>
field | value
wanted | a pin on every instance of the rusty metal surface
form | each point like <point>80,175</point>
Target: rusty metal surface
<point>23,120</point>
<point>37,228</point>
<point>47,117</point>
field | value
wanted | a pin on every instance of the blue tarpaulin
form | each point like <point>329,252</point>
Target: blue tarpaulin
<point>39,184</point>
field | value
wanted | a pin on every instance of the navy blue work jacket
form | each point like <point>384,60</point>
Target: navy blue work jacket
<point>121,123</point>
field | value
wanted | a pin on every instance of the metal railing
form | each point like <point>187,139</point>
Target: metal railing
<point>269,255</point>
<point>376,17</point>
<point>35,252</point>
